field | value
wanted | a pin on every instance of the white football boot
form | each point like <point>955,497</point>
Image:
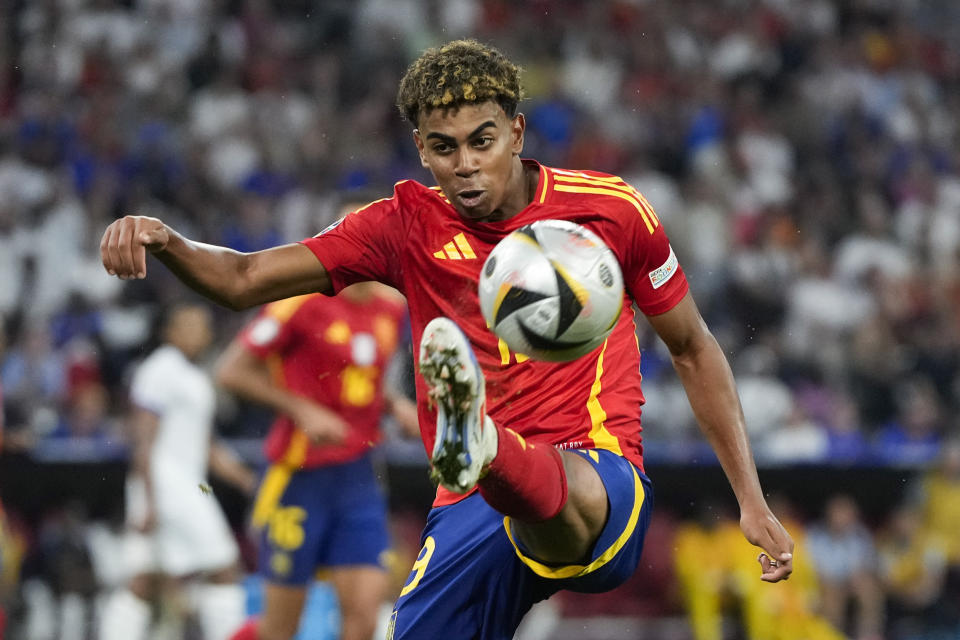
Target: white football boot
<point>466,438</point>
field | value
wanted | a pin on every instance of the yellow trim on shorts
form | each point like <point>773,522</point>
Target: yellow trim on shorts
<point>601,436</point>
<point>268,496</point>
<point>578,570</point>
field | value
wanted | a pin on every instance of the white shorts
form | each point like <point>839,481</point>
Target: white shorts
<point>191,533</point>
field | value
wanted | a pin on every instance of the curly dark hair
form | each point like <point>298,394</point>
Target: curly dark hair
<point>459,72</point>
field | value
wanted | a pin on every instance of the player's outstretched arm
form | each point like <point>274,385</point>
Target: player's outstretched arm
<point>230,278</point>
<point>708,381</point>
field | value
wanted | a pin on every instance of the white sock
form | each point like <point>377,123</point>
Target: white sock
<point>221,609</point>
<point>73,617</point>
<point>124,617</point>
<point>384,618</point>
<point>41,622</point>
<point>491,440</point>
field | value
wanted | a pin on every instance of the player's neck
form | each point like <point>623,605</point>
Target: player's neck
<point>522,190</point>
<point>532,175</point>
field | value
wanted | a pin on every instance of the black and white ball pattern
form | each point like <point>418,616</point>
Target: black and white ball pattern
<point>551,290</point>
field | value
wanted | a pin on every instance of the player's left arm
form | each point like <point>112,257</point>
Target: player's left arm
<point>244,374</point>
<point>226,465</point>
<point>706,376</point>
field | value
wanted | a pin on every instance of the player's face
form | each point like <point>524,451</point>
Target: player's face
<point>190,330</point>
<point>473,153</point>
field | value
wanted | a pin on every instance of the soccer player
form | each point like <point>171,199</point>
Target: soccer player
<point>540,465</point>
<point>177,530</point>
<point>320,363</point>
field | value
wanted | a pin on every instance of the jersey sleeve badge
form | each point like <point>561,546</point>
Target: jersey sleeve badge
<point>662,274</point>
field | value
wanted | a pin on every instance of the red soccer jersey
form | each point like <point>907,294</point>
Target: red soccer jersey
<point>334,351</point>
<point>417,242</point>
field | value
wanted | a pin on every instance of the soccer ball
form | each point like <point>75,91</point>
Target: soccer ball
<point>551,290</point>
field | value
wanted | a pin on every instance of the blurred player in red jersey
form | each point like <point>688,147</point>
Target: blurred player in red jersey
<point>320,363</point>
<point>555,448</point>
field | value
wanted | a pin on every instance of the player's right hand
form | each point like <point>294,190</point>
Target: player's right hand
<point>764,530</point>
<point>322,425</point>
<point>125,244</point>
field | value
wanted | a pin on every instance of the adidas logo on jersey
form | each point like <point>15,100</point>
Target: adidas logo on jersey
<point>456,249</point>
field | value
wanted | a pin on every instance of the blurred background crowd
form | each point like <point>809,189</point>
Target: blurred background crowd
<point>804,156</point>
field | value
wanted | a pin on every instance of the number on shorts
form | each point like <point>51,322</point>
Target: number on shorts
<point>286,527</point>
<point>420,566</point>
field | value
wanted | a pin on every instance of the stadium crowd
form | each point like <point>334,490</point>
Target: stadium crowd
<point>804,155</point>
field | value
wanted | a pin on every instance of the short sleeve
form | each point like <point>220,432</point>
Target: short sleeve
<point>364,245</point>
<point>149,388</point>
<point>652,273</point>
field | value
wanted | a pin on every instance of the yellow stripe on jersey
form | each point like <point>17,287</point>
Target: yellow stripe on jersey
<point>651,222</point>
<point>464,246</point>
<point>609,182</point>
<point>602,439</point>
<point>615,183</point>
<point>578,570</point>
<point>544,184</point>
<point>562,173</point>
<point>282,310</point>
<point>647,205</point>
<point>367,206</point>
<point>268,497</point>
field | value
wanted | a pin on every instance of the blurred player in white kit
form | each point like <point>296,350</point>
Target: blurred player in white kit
<point>177,534</point>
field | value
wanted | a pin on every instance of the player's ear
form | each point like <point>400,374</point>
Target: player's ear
<point>517,127</point>
<point>417,140</point>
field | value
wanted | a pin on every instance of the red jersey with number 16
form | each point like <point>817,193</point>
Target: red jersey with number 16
<point>417,242</point>
<point>333,351</point>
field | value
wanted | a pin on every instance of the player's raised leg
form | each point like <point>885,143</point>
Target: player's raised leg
<point>466,437</point>
<point>556,500</point>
